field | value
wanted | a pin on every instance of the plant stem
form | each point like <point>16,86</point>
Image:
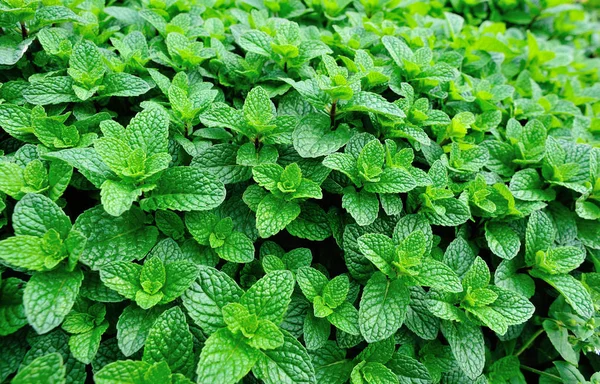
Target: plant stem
<point>530,341</point>
<point>541,373</point>
<point>332,112</point>
<point>24,33</point>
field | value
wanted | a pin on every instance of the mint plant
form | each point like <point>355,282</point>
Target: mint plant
<point>300,192</point>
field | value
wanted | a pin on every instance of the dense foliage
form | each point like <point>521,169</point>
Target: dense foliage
<point>299,191</point>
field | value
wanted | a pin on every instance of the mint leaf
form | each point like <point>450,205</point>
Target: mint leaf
<point>363,206</point>
<point>313,137</point>
<point>289,363</point>
<point>502,240</point>
<point>573,291</point>
<point>133,327</point>
<point>124,85</point>
<point>383,307</point>
<point>258,109</point>
<point>12,313</point>
<point>112,238</point>
<point>51,90</point>
<point>35,215</point>
<point>170,340</point>
<point>185,189</point>
<point>127,371</point>
<point>269,297</point>
<point>274,214</point>
<point>466,341</point>
<point>48,368</point>
<point>206,298</point>
<point>225,358</point>
<point>49,296</point>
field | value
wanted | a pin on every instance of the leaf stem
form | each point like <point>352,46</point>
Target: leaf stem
<point>530,341</point>
<point>541,373</point>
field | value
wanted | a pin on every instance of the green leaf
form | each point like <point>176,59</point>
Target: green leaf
<point>123,277</point>
<point>267,336</point>
<point>568,373</point>
<point>11,355</point>
<point>311,282</point>
<point>377,372</point>
<point>258,109</point>
<point>185,189</point>
<point>288,364</point>
<point>221,161</point>
<point>466,342</point>
<point>170,340</point>
<point>84,346</point>
<point>12,313</point>
<point>257,42</point>
<point>87,161</point>
<point>49,297</point>
<point>408,369</point>
<point>433,273</point>
<point>506,276</point>
<point>311,224</point>
<point>380,250</point>
<point>149,131</point>
<point>206,298</point>
<point>51,90</point>
<point>16,121</point>
<point>398,50</point>
<point>392,180</point>
<point>313,136</point>
<point>125,371</point>
<point>345,163</point>
<point>562,259</point>
<point>274,214</point>
<point>179,276</point>
<point>34,215</point>
<point>574,292</point>
<point>225,358</point>
<point>133,327</point>
<point>153,275</point>
<point>515,308</point>
<point>363,206</point>
<point>382,307</point>
<point>336,291</point>
<point>418,318</point>
<point>12,50</point>
<point>237,248</point>
<point>123,84</point>
<point>345,318</point>
<point>112,238</point>
<point>11,179</point>
<point>539,235</point>
<point>527,185</point>
<point>502,240</point>
<point>44,369</point>
<point>85,64</point>
<point>269,297</point>
<point>316,331</point>
<point>559,337</point>
<point>455,213</point>
<point>117,197</point>
<point>267,175</point>
<point>478,276</point>
<point>24,252</point>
